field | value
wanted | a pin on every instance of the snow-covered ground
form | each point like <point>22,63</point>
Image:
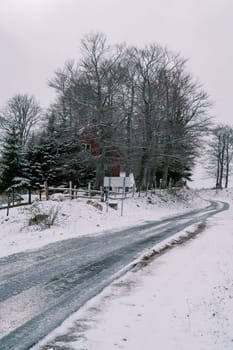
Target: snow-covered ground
<point>81,217</point>
<point>182,300</point>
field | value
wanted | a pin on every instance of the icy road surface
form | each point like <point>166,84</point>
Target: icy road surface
<point>39,289</point>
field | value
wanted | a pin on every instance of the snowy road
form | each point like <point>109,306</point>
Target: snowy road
<point>39,289</point>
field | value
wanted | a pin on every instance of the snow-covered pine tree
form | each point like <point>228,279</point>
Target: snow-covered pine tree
<point>33,165</point>
<point>11,159</point>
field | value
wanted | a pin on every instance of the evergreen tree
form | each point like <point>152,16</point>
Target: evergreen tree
<point>11,160</point>
<point>41,161</point>
<point>33,164</point>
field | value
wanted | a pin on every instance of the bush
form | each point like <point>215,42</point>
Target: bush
<point>95,204</point>
<point>43,217</point>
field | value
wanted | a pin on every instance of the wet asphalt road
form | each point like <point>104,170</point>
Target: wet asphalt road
<point>40,288</point>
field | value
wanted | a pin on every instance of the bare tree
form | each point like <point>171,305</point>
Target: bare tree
<point>139,101</point>
<point>24,112</point>
<point>220,155</point>
<point>88,94</point>
<point>170,113</point>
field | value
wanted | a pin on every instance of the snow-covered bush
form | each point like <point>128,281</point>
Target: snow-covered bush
<point>43,217</point>
<point>59,197</point>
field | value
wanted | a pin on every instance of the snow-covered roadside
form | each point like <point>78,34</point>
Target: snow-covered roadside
<point>182,300</point>
<point>77,217</point>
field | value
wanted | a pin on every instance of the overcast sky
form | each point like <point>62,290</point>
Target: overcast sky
<point>38,36</point>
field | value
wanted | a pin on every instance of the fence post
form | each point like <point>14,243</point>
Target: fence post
<point>133,190</point>
<point>123,193</point>
<point>147,187</point>
<point>102,193</point>
<point>8,205</point>
<point>170,183</point>
<point>13,196</point>
<point>107,199</point>
<point>40,192</point>
<point>70,189</point>
<point>46,190</point>
<point>29,195</point>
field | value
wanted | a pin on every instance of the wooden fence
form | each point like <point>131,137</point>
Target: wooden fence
<point>14,198</point>
<point>72,192</point>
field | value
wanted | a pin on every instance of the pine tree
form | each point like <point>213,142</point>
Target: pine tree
<point>11,160</point>
<point>41,161</point>
<point>33,164</point>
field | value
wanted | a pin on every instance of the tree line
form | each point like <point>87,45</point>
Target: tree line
<point>137,109</point>
<point>219,154</point>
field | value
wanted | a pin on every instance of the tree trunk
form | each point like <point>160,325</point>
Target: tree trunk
<point>227,164</point>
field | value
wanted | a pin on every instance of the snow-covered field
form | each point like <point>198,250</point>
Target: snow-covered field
<point>182,300</point>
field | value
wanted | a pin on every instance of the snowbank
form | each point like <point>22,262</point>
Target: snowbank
<point>81,217</point>
<point>181,300</point>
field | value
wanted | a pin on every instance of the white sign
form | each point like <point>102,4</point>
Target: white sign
<point>117,181</point>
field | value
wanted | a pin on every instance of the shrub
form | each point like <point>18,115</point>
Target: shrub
<point>43,217</point>
<point>95,204</point>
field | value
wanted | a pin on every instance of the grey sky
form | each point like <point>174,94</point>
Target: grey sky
<point>38,36</point>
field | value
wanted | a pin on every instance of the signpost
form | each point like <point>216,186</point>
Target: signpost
<point>117,182</point>
<point>123,193</point>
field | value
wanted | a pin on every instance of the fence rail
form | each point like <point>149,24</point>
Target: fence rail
<point>72,192</point>
<point>13,198</point>
<point>17,198</point>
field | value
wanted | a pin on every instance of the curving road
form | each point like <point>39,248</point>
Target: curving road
<point>39,289</point>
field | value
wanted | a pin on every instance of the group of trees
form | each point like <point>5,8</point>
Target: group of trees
<point>137,108</point>
<point>141,102</point>
<point>17,120</point>
<point>220,154</point>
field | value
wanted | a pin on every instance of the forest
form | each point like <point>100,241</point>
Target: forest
<point>117,108</point>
